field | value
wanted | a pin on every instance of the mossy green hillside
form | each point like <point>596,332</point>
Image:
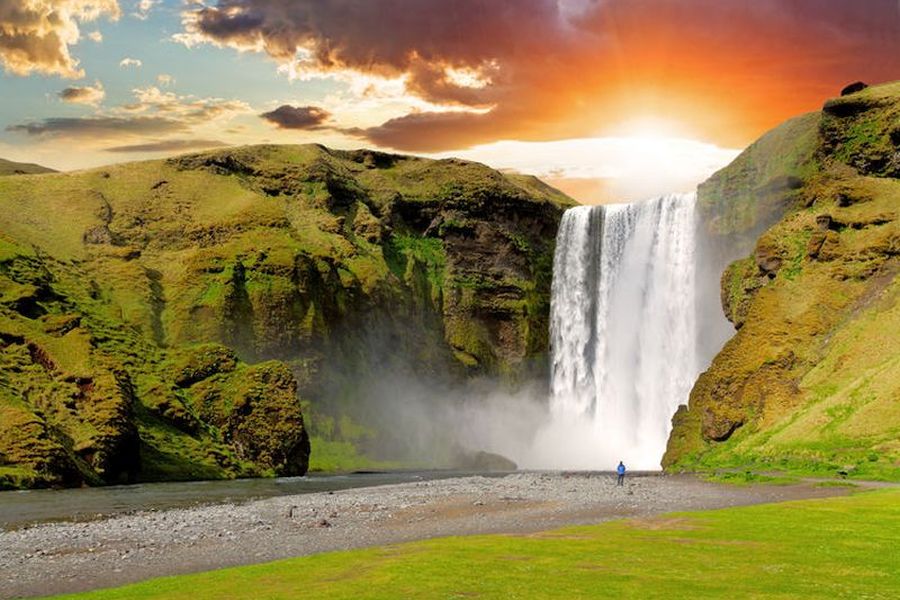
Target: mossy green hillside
<point>195,304</point>
<point>811,381</point>
<point>88,398</point>
<point>743,199</point>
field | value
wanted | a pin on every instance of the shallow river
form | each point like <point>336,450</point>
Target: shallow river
<point>20,508</point>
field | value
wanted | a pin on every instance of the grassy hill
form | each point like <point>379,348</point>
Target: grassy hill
<point>8,167</point>
<point>811,380</point>
<point>167,319</point>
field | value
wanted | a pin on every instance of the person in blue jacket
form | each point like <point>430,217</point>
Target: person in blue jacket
<point>621,471</point>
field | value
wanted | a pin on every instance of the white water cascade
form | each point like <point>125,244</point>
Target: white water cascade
<point>623,333</point>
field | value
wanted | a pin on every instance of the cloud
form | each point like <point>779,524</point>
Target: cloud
<point>165,80</point>
<point>189,109</point>
<point>551,69</point>
<point>130,62</point>
<point>152,114</point>
<point>91,95</point>
<point>171,145</point>
<point>35,35</point>
<point>297,117</point>
<point>98,127</point>
<point>431,131</point>
<point>95,36</point>
<point>143,9</point>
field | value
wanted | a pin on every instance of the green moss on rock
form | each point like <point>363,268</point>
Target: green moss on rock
<point>142,305</point>
<point>810,383</point>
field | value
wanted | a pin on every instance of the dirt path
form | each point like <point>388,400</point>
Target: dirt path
<point>70,557</point>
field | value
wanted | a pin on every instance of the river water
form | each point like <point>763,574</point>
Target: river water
<point>20,508</point>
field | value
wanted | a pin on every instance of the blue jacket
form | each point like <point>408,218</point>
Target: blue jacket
<point>621,469</point>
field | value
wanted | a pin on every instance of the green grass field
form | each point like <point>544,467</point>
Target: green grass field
<point>847,547</point>
<point>329,456</point>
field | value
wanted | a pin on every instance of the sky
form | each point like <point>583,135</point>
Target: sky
<point>610,100</point>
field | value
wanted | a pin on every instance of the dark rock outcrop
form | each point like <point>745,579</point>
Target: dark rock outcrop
<point>852,88</point>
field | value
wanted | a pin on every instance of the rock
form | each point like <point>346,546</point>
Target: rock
<point>853,88</point>
<point>768,258</point>
<point>739,283</point>
<point>484,461</point>
<point>258,410</point>
<point>845,198</point>
<point>815,244</point>
<point>99,234</point>
<point>823,245</point>
<point>202,362</point>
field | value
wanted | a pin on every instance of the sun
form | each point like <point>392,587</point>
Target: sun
<point>651,128</point>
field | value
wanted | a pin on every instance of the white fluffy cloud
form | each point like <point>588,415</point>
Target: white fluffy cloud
<point>35,35</point>
<point>143,8</point>
<point>84,94</point>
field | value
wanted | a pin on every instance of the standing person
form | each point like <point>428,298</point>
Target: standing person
<point>621,471</point>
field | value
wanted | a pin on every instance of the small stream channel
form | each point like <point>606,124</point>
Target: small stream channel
<point>21,508</point>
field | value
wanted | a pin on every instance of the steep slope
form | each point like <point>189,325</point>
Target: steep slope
<point>811,380</point>
<point>8,167</point>
<point>166,319</point>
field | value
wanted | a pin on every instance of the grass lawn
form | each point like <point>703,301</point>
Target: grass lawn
<point>329,456</point>
<point>846,547</point>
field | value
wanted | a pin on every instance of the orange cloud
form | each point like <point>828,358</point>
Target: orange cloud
<point>724,70</point>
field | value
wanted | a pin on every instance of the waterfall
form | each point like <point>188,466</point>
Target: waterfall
<point>623,333</point>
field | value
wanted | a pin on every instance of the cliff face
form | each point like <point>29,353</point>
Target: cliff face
<point>168,319</point>
<point>811,380</point>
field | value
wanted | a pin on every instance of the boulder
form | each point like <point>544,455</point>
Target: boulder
<point>854,87</point>
<point>484,461</point>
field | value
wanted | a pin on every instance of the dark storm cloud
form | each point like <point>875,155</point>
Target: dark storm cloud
<point>297,117</point>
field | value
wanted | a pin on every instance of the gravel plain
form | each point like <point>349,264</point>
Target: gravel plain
<point>69,557</point>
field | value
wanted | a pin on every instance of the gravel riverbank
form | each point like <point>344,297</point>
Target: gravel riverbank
<point>69,557</point>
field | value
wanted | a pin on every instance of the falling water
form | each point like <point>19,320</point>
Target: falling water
<point>623,333</point>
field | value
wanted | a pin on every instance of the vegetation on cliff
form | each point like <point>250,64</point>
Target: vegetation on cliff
<point>169,319</point>
<point>811,381</point>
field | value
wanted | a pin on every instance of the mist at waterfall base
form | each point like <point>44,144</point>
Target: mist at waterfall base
<point>631,329</point>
